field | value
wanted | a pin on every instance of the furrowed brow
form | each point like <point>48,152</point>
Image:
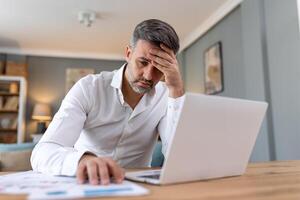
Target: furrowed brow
<point>144,59</point>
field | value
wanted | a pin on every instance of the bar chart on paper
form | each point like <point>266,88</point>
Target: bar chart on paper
<point>40,186</point>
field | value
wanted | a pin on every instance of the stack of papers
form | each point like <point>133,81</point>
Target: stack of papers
<point>41,186</point>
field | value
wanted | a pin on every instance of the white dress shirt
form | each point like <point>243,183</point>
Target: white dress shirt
<point>94,117</point>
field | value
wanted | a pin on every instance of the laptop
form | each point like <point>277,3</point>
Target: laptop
<point>214,138</point>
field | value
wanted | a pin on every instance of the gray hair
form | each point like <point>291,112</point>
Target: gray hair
<point>156,32</point>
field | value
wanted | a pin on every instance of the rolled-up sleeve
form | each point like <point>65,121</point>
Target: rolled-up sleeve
<point>55,153</point>
<point>168,123</point>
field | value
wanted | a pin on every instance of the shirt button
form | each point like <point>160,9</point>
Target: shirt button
<point>176,107</point>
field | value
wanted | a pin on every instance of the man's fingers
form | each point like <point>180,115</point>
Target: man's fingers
<point>168,50</point>
<point>160,61</point>
<point>95,169</point>
<point>159,67</point>
<point>103,172</point>
<point>161,54</point>
<point>115,170</point>
<point>81,174</point>
<point>92,171</point>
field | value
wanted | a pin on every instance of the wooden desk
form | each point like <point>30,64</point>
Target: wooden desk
<point>265,181</point>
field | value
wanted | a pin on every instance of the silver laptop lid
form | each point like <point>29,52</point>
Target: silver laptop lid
<point>214,138</point>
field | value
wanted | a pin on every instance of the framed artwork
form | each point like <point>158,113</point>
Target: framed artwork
<point>74,74</point>
<point>213,81</point>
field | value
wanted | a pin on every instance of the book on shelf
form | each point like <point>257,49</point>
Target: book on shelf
<point>13,88</point>
<point>2,66</point>
<point>14,123</point>
<point>11,103</point>
<point>1,102</point>
<point>8,123</point>
<point>8,138</point>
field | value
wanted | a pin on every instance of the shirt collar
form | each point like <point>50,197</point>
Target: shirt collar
<point>118,77</point>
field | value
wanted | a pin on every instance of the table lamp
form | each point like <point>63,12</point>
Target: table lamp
<point>41,113</point>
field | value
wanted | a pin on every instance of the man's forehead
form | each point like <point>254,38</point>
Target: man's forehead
<point>143,47</point>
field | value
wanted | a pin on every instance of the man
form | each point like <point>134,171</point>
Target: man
<point>112,120</point>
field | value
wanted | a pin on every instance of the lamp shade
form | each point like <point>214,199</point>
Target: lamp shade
<point>41,112</point>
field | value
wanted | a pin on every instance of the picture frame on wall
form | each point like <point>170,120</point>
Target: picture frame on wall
<point>74,74</point>
<point>213,67</point>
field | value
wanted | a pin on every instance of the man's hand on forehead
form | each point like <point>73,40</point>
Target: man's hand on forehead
<point>163,56</point>
<point>165,61</point>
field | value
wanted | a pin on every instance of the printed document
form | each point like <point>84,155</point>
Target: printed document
<point>41,186</point>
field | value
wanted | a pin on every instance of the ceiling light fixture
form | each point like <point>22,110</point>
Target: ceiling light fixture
<point>87,17</point>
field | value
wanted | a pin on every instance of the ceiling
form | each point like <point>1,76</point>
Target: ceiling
<point>51,28</point>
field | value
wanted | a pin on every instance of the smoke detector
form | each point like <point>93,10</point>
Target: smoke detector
<point>86,17</point>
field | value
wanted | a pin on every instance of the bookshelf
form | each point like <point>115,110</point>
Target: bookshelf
<point>12,109</point>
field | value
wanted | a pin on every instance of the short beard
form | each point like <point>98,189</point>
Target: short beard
<point>139,90</point>
<point>135,88</point>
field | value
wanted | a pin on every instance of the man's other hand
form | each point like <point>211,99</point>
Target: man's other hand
<point>98,170</point>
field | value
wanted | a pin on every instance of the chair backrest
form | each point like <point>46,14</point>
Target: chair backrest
<point>157,156</point>
<point>15,157</point>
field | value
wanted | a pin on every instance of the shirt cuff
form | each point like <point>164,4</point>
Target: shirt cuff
<point>175,103</point>
<point>70,163</point>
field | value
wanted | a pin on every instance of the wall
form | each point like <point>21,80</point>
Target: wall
<point>256,72</point>
<point>46,81</point>
<point>283,52</point>
<point>228,31</point>
<point>261,61</point>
